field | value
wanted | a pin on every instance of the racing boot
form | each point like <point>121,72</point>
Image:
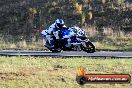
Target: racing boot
<point>49,44</point>
<point>68,43</point>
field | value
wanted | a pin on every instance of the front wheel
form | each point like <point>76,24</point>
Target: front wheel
<point>89,48</point>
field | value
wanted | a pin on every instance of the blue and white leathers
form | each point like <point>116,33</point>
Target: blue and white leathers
<point>48,34</point>
<point>52,31</point>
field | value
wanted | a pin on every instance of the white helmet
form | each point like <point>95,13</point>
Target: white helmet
<point>59,23</point>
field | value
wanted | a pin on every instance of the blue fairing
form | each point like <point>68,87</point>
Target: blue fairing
<point>65,32</point>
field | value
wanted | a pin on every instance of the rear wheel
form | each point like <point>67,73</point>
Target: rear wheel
<point>76,48</point>
<point>53,49</point>
<point>56,50</point>
<point>90,48</point>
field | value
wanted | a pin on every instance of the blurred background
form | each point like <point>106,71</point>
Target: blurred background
<point>108,23</point>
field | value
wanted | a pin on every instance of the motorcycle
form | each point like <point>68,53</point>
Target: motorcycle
<point>78,41</point>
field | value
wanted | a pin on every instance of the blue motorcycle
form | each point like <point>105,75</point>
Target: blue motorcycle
<point>77,41</point>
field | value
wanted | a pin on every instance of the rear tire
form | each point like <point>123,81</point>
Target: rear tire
<point>53,49</point>
<point>56,51</point>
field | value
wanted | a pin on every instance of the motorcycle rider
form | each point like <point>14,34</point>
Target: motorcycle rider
<point>53,31</point>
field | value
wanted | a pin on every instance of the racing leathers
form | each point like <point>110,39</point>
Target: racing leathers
<point>51,33</point>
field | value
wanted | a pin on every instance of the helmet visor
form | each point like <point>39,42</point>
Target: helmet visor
<point>60,25</point>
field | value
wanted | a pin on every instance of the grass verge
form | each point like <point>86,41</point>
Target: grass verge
<point>42,72</point>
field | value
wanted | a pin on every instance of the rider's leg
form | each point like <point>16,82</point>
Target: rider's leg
<point>50,40</point>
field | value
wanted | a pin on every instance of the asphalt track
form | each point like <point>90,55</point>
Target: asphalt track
<point>67,54</point>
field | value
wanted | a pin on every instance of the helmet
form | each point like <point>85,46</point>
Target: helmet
<point>59,23</point>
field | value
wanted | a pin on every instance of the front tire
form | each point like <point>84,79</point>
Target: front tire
<point>90,48</point>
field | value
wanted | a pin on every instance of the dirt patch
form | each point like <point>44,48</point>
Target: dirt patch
<point>32,70</point>
<point>12,75</point>
<point>21,74</point>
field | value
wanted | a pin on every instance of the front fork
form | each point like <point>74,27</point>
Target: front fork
<point>84,43</point>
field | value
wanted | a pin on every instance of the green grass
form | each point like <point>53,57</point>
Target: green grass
<point>42,72</point>
<point>114,43</point>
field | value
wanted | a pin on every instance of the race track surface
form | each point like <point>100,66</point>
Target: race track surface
<point>67,54</point>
